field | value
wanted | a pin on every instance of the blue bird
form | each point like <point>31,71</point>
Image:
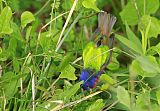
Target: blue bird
<point>105,25</point>
<point>90,81</point>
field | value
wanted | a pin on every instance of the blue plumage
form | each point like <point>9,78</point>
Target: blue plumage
<point>106,22</point>
<point>90,81</point>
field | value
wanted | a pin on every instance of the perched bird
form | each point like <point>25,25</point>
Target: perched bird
<point>105,25</point>
<point>90,81</point>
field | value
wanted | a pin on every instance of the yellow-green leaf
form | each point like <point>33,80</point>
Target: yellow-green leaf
<point>94,57</point>
<point>26,18</point>
<point>5,18</point>
<point>123,96</point>
<point>90,4</point>
<point>96,106</point>
<point>68,72</point>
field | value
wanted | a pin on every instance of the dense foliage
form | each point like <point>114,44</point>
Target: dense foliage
<point>45,45</point>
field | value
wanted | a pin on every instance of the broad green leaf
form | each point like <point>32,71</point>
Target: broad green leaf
<point>129,14</point>
<point>147,7</point>
<point>143,100</point>
<point>9,87</point>
<point>96,106</point>
<point>68,72</point>
<point>136,9</point>
<point>129,44</point>
<point>123,96</point>
<point>158,96</point>
<point>145,66</point>
<point>94,57</point>
<point>154,29</point>
<point>65,61</point>
<point>5,19</point>
<point>135,69</point>
<point>138,70</point>
<point>149,64</point>
<point>90,4</point>
<point>132,37</point>
<point>68,93</point>
<point>26,18</point>
<point>16,65</point>
<point>106,78</point>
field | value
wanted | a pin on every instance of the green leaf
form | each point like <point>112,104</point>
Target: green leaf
<point>145,66</point>
<point>68,72</point>
<point>123,96</point>
<point>137,70</point>
<point>90,4</point>
<point>129,44</point>
<point>149,64</point>
<point>154,29</point>
<point>4,55</point>
<point>107,78</point>
<point>147,7</point>
<point>65,61</point>
<point>67,94</point>
<point>5,19</point>
<point>9,87</point>
<point>143,100</point>
<point>129,14</point>
<point>132,37</point>
<point>26,18</point>
<point>158,96</point>
<point>139,8</point>
<point>16,65</point>
<point>96,106</point>
<point>94,57</point>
